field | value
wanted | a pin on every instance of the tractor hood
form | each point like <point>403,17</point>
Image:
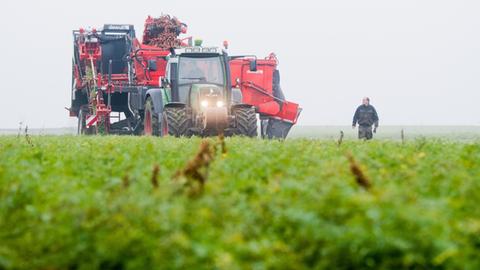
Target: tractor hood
<point>208,103</point>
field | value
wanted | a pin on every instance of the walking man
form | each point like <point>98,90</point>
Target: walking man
<point>366,116</point>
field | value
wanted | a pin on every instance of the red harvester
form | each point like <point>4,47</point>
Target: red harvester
<point>165,85</point>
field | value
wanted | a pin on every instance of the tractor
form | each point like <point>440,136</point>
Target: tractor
<point>197,98</point>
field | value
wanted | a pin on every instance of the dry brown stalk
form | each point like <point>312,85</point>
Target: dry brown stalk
<point>221,138</point>
<point>126,181</point>
<point>201,161</point>
<point>154,179</point>
<point>358,173</point>
<point>340,140</point>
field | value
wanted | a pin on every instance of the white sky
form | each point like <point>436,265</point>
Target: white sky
<point>418,60</point>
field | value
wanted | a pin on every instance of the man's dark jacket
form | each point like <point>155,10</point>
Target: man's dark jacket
<point>365,116</point>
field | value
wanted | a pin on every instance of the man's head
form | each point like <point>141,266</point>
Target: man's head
<point>366,101</point>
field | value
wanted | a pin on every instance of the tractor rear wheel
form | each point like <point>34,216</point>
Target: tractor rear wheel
<point>176,122</point>
<point>82,128</point>
<point>151,126</point>
<point>245,121</point>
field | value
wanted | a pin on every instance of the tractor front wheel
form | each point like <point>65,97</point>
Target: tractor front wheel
<point>151,126</point>
<point>176,122</point>
<point>245,121</point>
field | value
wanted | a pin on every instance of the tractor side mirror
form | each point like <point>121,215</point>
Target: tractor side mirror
<point>152,65</point>
<point>253,65</point>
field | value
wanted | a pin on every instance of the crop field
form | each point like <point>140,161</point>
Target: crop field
<point>113,202</point>
<point>457,133</point>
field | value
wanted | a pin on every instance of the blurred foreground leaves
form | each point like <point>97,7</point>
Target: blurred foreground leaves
<point>89,203</point>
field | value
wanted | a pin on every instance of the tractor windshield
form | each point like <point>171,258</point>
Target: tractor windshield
<point>201,69</point>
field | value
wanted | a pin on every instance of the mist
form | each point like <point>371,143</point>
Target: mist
<point>418,61</point>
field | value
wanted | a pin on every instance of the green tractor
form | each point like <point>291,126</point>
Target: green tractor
<point>196,98</point>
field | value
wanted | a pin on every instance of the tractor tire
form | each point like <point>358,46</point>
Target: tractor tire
<point>176,122</point>
<point>245,121</point>
<point>151,125</point>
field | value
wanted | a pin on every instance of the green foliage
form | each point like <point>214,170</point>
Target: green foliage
<point>64,204</point>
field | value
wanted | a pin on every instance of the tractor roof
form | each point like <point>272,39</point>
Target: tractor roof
<point>199,50</point>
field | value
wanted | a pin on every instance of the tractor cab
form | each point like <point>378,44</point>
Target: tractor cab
<point>198,77</point>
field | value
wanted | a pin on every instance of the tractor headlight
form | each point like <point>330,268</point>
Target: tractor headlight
<point>220,103</point>
<point>204,103</point>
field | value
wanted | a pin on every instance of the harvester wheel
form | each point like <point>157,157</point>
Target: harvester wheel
<point>175,122</point>
<point>245,121</point>
<point>150,119</point>
<point>82,122</point>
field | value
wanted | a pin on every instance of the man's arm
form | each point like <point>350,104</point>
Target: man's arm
<point>355,118</point>
<point>375,117</point>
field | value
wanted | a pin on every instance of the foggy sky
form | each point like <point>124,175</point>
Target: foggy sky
<point>418,61</point>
